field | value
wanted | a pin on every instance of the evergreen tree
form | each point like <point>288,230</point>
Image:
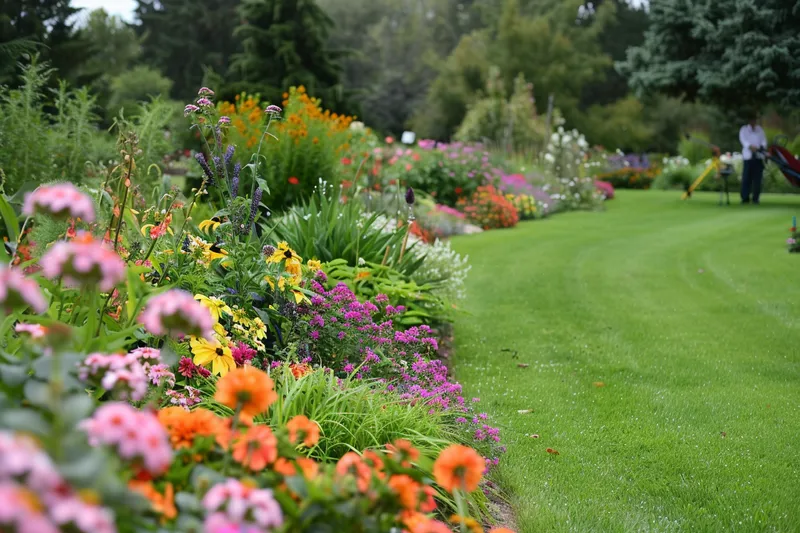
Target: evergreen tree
<point>184,38</point>
<point>284,44</point>
<point>732,53</point>
<point>46,26</point>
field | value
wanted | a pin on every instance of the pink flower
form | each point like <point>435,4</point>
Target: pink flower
<point>223,120</point>
<point>134,434</point>
<point>61,200</point>
<point>273,110</point>
<point>204,102</point>
<point>189,109</point>
<point>84,262</point>
<point>36,331</point>
<point>228,504</point>
<point>389,140</point>
<point>242,353</point>
<point>176,312</point>
<point>123,375</point>
<point>17,291</point>
<point>205,91</point>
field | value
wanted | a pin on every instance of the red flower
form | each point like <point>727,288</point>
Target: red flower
<point>459,190</point>
<point>294,181</point>
<point>347,161</point>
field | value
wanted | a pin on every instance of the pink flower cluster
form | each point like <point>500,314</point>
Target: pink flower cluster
<point>36,499</point>
<point>127,375</point>
<point>17,291</point>
<point>186,399</point>
<point>176,312</point>
<point>121,374</point>
<point>136,435</point>
<point>188,369</point>
<point>84,262</point>
<point>234,507</point>
<point>62,200</point>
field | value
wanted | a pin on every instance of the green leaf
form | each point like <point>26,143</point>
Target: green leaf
<point>13,375</point>
<point>188,502</point>
<point>76,407</point>
<point>10,218</point>
<point>86,469</point>
<point>37,393</point>
<point>25,420</point>
<point>297,484</point>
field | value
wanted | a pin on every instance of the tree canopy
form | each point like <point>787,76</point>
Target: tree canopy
<point>731,53</point>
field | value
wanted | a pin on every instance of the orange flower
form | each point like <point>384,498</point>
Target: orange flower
<point>429,526</point>
<point>256,449</point>
<point>373,460</point>
<point>184,426</point>
<point>403,452</point>
<point>163,504</point>
<point>246,388</point>
<point>469,523</point>
<point>407,491</point>
<point>299,369</point>
<point>352,465</point>
<point>287,468</point>
<point>428,502</point>
<point>301,429</point>
<point>458,467</point>
<point>501,530</point>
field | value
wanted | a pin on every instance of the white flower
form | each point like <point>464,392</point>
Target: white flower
<point>550,158</point>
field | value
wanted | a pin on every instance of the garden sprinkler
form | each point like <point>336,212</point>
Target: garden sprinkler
<point>722,170</point>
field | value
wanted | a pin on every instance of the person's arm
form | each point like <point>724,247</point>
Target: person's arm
<point>743,138</point>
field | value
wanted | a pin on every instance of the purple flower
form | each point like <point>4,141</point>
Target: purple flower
<point>235,180</point>
<point>223,120</point>
<point>205,91</point>
<point>229,151</point>
<point>273,110</point>
<point>201,159</point>
<point>254,205</point>
<point>204,102</point>
<point>189,109</point>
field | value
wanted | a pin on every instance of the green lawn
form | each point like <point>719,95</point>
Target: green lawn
<point>688,314</point>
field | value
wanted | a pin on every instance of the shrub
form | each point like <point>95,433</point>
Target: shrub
<point>629,178</point>
<point>306,144</point>
<point>695,152</point>
<point>605,188</point>
<point>489,209</point>
<point>526,206</point>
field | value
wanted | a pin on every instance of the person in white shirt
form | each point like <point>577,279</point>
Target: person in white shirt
<point>753,140</point>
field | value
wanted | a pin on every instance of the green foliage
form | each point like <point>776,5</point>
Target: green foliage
<point>732,53</point>
<point>326,227</point>
<point>183,38</point>
<point>132,87</point>
<point>511,123</point>
<point>695,152</point>
<point>620,125</point>
<point>283,45</point>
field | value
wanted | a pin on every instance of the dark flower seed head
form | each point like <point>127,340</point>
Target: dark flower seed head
<point>268,250</point>
<point>410,196</point>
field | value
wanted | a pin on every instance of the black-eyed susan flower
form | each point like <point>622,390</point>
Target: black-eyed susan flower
<point>210,225</point>
<point>215,305</point>
<point>314,265</point>
<point>214,353</point>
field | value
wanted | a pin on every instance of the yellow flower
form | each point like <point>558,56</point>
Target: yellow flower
<point>219,329</point>
<point>213,251</point>
<point>284,253</point>
<point>214,304</point>
<point>212,223</point>
<point>299,296</point>
<point>281,282</point>
<point>240,317</point>
<point>314,265</point>
<point>213,352</point>
<point>258,330</point>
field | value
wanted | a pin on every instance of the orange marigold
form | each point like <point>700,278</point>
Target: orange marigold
<point>301,429</point>
<point>299,369</point>
<point>185,426</point>
<point>287,468</point>
<point>403,452</point>
<point>407,491</point>
<point>351,464</point>
<point>373,460</point>
<point>458,467</point>
<point>256,449</point>
<point>163,504</point>
<point>248,389</point>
